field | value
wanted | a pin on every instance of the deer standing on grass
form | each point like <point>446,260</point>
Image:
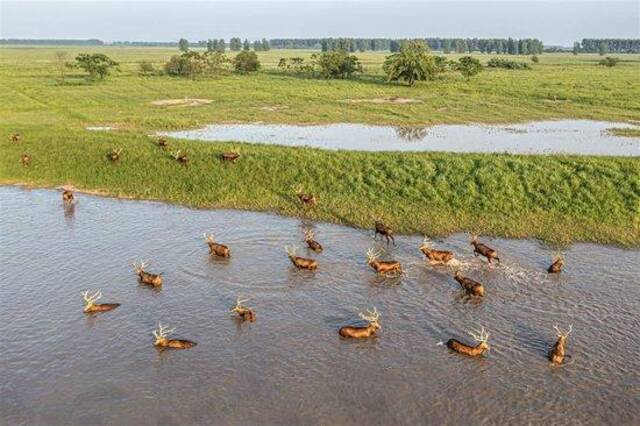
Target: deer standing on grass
<point>147,277</point>
<point>229,156</point>
<point>382,266</point>
<point>180,157</point>
<point>311,242</point>
<point>473,288</point>
<point>308,200</point>
<point>435,257</point>
<point>556,264</point>
<point>556,354</point>
<point>244,313</point>
<point>15,137</point>
<point>162,142</point>
<point>484,250</point>
<point>114,155</point>
<point>385,231</point>
<point>483,344</point>
<point>67,197</point>
<point>373,318</point>
<point>25,160</point>
<point>301,262</point>
<point>163,342</point>
<point>91,306</point>
<point>216,249</point>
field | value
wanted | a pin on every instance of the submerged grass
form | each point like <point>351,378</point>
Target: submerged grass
<point>625,131</point>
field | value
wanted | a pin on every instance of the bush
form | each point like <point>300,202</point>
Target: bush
<point>609,61</point>
<point>535,59</point>
<point>507,64</point>
<point>246,61</point>
<point>468,66</point>
<point>337,64</point>
<point>413,63</point>
<point>146,68</point>
<point>294,65</point>
<point>193,64</point>
<point>96,64</point>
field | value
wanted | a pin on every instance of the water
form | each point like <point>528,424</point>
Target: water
<point>62,367</point>
<point>545,137</point>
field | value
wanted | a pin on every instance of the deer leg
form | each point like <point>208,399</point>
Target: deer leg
<point>393,239</point>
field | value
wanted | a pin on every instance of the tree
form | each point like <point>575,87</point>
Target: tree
<point>576,48</point>
<point>183,44</point>
<point>265,44</point>
<point>235,44</point>
<point>96,64</point>
<point>413,63</point>
<point>338,64</point>
<point>246,61</point>
<point>61,64</point>
<point>603,48</point>
<point>446,46</point>
<point>246,45</point>
<point>468,66</point>
<point>609,61</point>
<point>221,46</point>
<point>461,46</point>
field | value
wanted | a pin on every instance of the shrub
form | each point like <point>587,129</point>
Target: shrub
<point>246,61</point>
<point>535,59</point>
<point>146,68</point>
<point>609,61</point>
<point>468,66</point>
<point>193,64</point>
<point>96,64</point>
<point>294,65</point>
<point>412,63</point>
<point>507,64</point>
<point>337,64</point>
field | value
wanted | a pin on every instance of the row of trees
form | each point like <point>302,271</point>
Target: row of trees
<point>219,45</point>
<point>609,45</point>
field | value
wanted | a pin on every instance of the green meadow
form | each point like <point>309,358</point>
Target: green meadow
<point>558,199</point>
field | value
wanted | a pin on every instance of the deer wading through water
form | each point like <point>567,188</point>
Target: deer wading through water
<point>216,249</point>
<point>556,264</point>
<point>435,257</point>
<point>483,249</point>
<point>301,262</point>
<point>473,288</point>
<point>145,277</point>
<point>384,231</point>
<point>557,353</point>
<point>373,319</point>
<point>473,351</point>
<point>163,342</point>
<point>311,242</point>
<point>90,305</point>
<point>382,266</point>
<point>67,197</point>
<point>243,313</point>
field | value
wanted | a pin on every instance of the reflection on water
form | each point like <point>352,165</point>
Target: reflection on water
<point>543,137</point>
<point>59,366</point>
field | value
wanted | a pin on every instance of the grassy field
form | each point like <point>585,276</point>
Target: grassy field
<point>557,199</point>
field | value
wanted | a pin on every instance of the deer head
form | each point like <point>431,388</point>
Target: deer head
<point>473,239</point>
<point>90,300</point>
<point>373,318</point>
<point>372,255</point>
<point>139,267</point>
<point>426,243</point>
<point>209,238</point>
<point>297,189</point>
<point>239,309</point>
<point>177,154</point>
<point>482,337</point>
<point>291,251</point>
<point>562,335</point>
<point>308,235</point>
<point>161,334</point>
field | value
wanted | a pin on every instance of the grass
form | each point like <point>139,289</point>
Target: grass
<point>625,131</point>
<point>558,199</point>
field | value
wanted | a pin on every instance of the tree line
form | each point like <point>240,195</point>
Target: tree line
<point>607,45</point>
<point>54,42</point>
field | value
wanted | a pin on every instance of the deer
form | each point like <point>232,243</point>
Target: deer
<point>114,155</point>
<point>162,342</point>
<point>15,137</point>
<point>180,157</point>
<point>301,262</point>
<point>556,354</point>
<point>435,257</point>
<point>308,200</point>
<point>229,156</point>
<point>474,351</point>
<point>25,160</point>
<point>382,266</point>
<point>243,313</point>
<point>472,287</point>
<point>147,278</point>
<point>311,242</point>
<point>384,231</point>
<point>216,249</point>
<point>67,197</point>
<point>162,142</point>
<point>371,329</point>
<point>556,264</point>
<point>92,307</point>
<point>484,250</point>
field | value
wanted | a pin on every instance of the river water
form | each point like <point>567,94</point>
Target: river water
<point>62,367</point>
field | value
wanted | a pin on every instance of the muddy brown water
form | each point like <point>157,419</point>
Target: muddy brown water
<point>59,366</point>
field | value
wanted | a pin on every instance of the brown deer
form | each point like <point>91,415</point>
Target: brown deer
<point>229,156</point>
<point>67,197</point>
<point>92,307</point>
<point>301,262</point>
<point>382,266</point>
<point>484,250</point>
<point>483,344</point>
<point>556,264</point>
<point>25,160</point>
<point>180,157</point>
<point>147,278</point>
<point>472,287</point>
<point>243,313</point>
<point>556,354</point>
<point>435,257</point>
<point>216,249</point>
<point>308,200</point>
<point>373,318</point>
<point>384,231</point>
<point>162,142</point>
<point>163,342</point>
<point>114,155</point>
<point>15,137</point>
<point>313,244</point>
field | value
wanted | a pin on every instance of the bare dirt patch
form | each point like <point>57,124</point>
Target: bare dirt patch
<point>185,102</point>
<point>389,100</point>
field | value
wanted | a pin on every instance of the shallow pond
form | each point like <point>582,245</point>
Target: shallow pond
<point>60,366</point>
<point>544,137</point>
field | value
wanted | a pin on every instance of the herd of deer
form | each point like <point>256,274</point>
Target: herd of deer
<point>372,318</point>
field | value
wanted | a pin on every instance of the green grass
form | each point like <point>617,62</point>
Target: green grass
<point>626,132</point>
<point>559,199</point>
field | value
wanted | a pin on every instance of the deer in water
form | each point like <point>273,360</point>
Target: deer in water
<point>373,318</point>
<point>473,288</point>
<point>483,344</point>
<point>162,142</point>
<point>435,257</point>
<point>147,277</point>
<point>556,264</point>
<point>67,197</point>
<point>301,262</point>
<point>216,249</point>
<point>384,231</point>
<point>114,154</point>
<point>382,266</point>
<point>180,157</point>
<point>311,242</point>
<point>556,354</point>
<point>91,306</point>
<point>244,313</point>
<point>308,200</point>
<point>484,250</point>
<point>163,342</point>
<point>229,156</point>
<point>15,137</point>
<point>25,160</point>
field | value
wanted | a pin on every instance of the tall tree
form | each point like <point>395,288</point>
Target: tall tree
<point>183,44</point>
<point>61,64</point>
<point>246,45</point>
<point>265,44</point>
<point>235,44</point>
<point>603,48</point>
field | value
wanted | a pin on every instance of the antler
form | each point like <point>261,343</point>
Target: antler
<point>371,317</point>
<point>291,251</point>
<point>141,266</point>
<point>473,237</point>
<point>297,188</point>
<point>239,303</point>
<point>372,255</point>
<point>162,331</point>
<point>308,235</point>
<point>561,333</point>
<point>91,299</point>
<point>176,154</point>
<point>558,256</point>
<point>426,242</point>
<point>209,237</point>
<point>480,336</point>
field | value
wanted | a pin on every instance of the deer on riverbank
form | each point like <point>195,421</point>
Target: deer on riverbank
<point>25,159</point>
<point>311,242</point>
<point>15,137</point>
<point>92,307</point>
<point>384,231</point>
<point>435,257</point>
<point>473,288</point>
<point>483,249</point>
<point>556,264</point>
<point>309,200</point>
<point>114,155</point>
<point>301,262</point>
<point>180,157</point>
<point>229,156</point>
<point>145,277</point>
<point>373,319</point>
<point>473,351</point>
<point>243,313</point>
<point>216,249</point>
<point>557,353</point>
<point>382,266</point>
<point>163,342</point>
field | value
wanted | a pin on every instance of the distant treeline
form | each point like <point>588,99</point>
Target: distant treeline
<point>49,42</point>
<point>609,45</point>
